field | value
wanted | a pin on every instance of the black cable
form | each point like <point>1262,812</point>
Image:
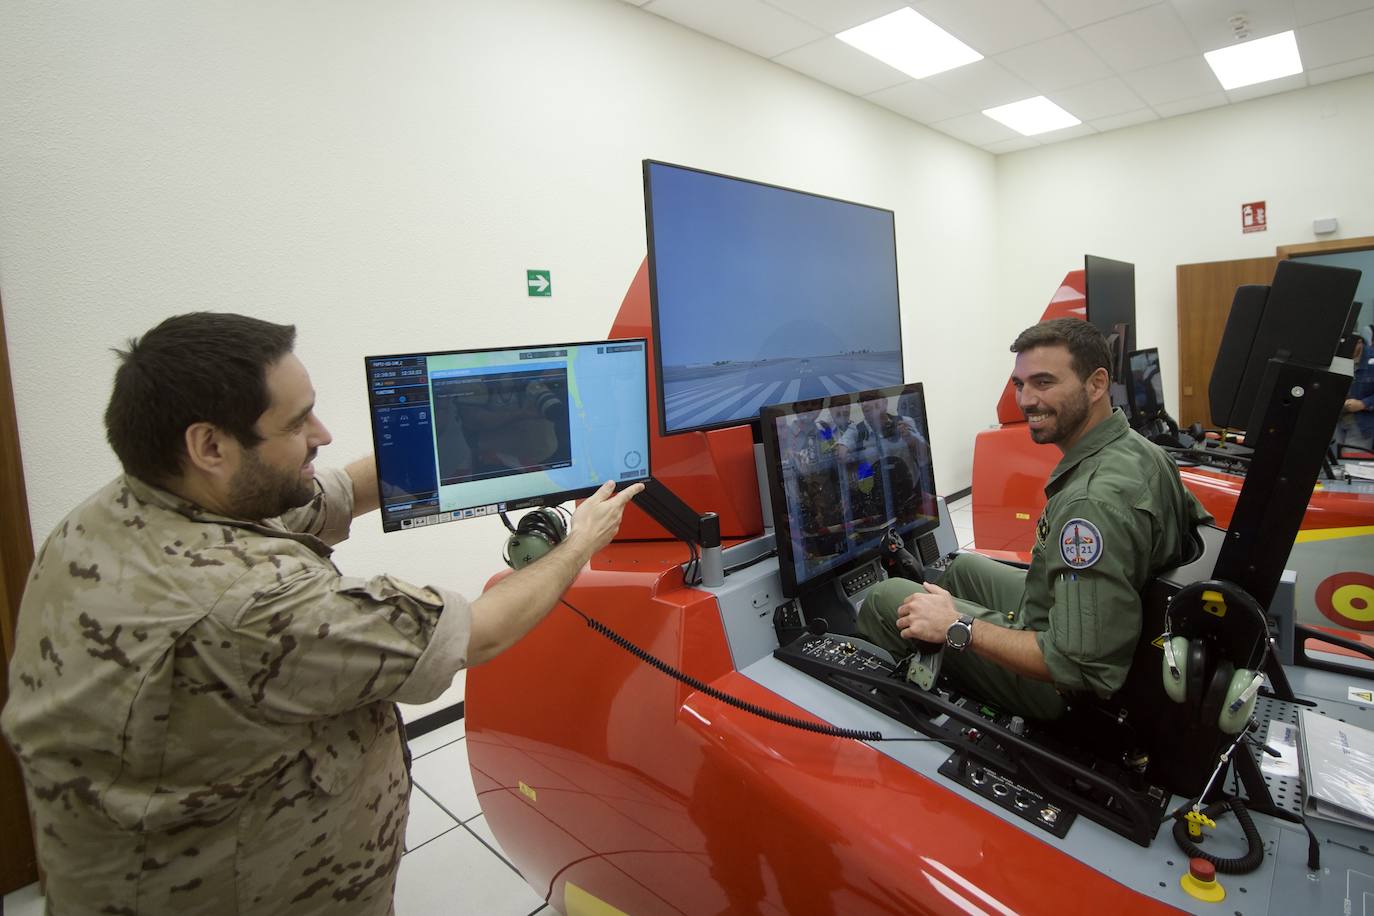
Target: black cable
<point>691,575</point>
<point>747,563</point>
<point>506,519</point>
<point>831,731</point>
<point>1254,856</point>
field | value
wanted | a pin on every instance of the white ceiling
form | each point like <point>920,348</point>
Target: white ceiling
<point>1110,63</point>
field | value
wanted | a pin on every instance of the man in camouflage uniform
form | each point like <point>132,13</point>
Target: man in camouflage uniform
<point>1117,514</point>
<point>203,706</point>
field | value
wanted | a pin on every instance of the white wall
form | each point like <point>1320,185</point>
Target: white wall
<point>1170,192</point>
<point>381,175</point>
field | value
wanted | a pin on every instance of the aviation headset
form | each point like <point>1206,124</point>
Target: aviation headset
<point>1229,696</point>
<point>537,533</point>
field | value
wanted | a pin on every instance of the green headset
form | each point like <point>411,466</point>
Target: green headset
<point>1222,692</point>
<point>537,533</point>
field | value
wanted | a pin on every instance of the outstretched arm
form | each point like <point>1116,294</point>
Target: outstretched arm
<point>511,608</point>
<point>363,474</point>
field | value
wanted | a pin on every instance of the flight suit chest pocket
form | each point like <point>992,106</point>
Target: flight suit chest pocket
<point>1075,624</point>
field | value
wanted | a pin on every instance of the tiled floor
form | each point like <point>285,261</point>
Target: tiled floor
<point>453,864</point>
<point>961,514</point>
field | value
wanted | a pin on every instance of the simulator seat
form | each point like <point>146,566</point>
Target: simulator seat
<point>1166,742</point>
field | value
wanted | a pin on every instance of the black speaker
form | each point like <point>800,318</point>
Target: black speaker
<point>1234,353</point>
<point>1304,317</point>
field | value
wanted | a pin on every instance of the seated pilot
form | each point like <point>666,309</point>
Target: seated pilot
<point>1028,640</point>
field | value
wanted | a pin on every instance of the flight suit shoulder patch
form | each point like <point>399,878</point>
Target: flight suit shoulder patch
<point>1080,543</point>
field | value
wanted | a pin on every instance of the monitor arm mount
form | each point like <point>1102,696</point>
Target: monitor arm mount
<point>698,530</point>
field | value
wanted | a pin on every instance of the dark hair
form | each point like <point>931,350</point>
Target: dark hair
<point>1088,350</point>
<point>203,367</point>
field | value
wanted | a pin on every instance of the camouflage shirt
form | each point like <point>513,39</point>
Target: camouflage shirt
<point>203,708</point>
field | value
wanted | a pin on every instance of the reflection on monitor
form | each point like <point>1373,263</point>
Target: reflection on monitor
<point>842,471</point>
<point>460,434</point>
<point>763,295</point>
<point>1147,386</point>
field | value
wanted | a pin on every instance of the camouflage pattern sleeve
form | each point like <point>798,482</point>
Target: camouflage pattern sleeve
<point>312,643</point>
<point>330,513</point>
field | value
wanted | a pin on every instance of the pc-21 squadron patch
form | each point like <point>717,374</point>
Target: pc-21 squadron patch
<point>1080,543</point>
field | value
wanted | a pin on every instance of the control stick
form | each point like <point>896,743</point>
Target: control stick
<point>898,561</point>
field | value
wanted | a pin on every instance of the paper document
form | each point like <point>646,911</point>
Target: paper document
<point>1282,737</point>
<point>1361,470</point>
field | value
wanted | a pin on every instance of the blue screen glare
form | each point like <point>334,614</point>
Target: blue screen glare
<point>465,434</point>
<point>764,295</point>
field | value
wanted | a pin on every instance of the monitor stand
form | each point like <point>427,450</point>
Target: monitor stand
<point>765,501</point>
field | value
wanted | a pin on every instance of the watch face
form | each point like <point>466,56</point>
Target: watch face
<point>958,634</point>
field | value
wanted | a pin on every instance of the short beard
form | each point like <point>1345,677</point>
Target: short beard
<point>1067,421</point>
<point>258,491</point>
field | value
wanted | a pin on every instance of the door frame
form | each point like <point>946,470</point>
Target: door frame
<point>18,861</point>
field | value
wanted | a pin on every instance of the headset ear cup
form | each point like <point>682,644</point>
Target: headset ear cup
<point>1232,722</point>
<point>1217,690</point>
<point>1177,687</point>
<point>1195,678</point>
<point>537,533</point>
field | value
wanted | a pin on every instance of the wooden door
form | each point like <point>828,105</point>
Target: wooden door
<point>18,865</point>
<point>1204,300</point>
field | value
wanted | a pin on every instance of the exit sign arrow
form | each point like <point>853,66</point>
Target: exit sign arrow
<point>538,282</point>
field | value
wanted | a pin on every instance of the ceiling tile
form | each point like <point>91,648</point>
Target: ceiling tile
<point>920,102</point>
<point>1141,39</point>
<point>1209,21</point>
<point>1341,71</point>
<point>1055,63</point>
<point>1078,13</point>
<point>1181,79</point>
<point>1336,40</point>
<point>981,84</point>
<point>976,129</point>
<point>1269,87</point>
<point>1092,101</point>
<point>1185,106</point>
<point>1010,146</point>
<point>992,26</point>
<point>1066,133</point>
<point>1310,11</point>
<point>832,17</point>
<point>749,24</point>
<point>832,61</point>
<point>1115,122</point>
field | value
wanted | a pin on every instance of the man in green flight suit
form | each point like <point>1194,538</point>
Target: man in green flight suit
<point>1027,640</point>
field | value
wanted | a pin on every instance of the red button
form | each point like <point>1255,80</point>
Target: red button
<point>1202,870</point>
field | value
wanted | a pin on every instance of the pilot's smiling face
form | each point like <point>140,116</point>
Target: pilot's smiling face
<point>1050,394</point>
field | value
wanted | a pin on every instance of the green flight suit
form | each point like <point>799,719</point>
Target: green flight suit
<point>1117,514</point>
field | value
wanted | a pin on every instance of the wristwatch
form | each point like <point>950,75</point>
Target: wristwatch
<point>960,633</point>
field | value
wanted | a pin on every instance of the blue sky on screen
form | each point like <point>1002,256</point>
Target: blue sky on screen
<point>746,271</point>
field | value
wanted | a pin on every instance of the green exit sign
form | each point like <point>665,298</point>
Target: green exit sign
<point>539,282</point>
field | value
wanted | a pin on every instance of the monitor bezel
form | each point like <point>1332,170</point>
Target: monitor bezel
<point>659,395</point>
<point>548,499</point>
<point>1106,272</point>
<point>782,534</point>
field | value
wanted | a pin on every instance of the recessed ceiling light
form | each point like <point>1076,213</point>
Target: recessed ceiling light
<point>911,43</point>
<point>1032,116</point>
<point>1256,61</point>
